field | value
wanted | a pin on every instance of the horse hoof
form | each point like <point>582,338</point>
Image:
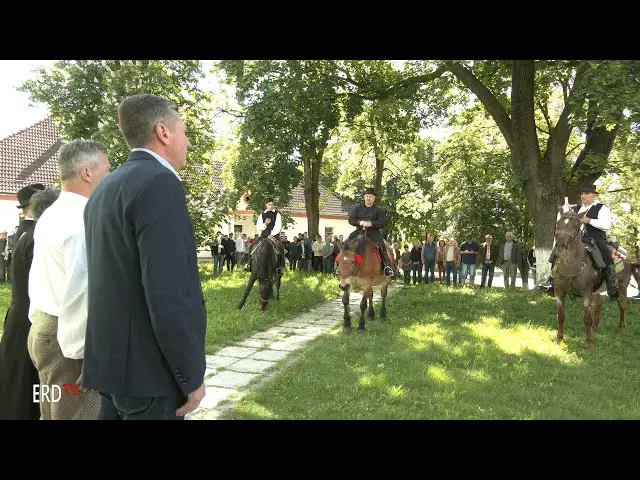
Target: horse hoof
<point>346,329</point>
<point>589,345</point>
<point>621,328</point>
<point>360,330</point>
<point>559,340</point>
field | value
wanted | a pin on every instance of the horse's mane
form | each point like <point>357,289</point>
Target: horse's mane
<point>362,240</point>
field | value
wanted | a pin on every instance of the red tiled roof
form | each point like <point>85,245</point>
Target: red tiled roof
<point>29,156</point>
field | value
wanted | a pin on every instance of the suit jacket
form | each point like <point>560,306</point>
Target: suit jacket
<point>146,320</point>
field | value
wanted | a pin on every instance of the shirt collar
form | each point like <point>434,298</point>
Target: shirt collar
<point>159,158</point>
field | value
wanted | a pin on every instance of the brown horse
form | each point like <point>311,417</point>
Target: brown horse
<point>575,274</point>
<point>359,262</point>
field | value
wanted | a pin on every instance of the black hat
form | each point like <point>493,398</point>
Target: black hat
<point>370,191</point>
<point>589,187</point>
<point>25,193</point>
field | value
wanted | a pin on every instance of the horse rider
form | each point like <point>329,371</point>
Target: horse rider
<point>596,223</point>
<point>269,224</point>
<point>371,217</point>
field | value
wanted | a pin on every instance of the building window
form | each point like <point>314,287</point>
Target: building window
<point>328,231</point>
<point>237,229</point>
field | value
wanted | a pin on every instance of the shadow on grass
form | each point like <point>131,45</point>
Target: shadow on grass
<point>456,354</point>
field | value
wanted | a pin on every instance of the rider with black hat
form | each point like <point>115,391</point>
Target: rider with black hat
<point>596,222</point>
<point>371,217</point>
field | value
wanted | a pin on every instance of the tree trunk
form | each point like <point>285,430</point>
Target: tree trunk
<point>312,193</point>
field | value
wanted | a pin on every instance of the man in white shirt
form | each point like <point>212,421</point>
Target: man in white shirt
<point>596,223</point>
<point>58,285</point>
<point>269,225</point>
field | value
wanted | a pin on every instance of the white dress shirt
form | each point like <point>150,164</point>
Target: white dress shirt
<point>277,226</point>
<point>159,158</point>
<point>58,275</point>
<point>603,222</point>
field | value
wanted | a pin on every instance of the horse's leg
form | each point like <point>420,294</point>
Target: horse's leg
<point>252,280</point>
<point>371,312</point>
<point>363,306</point>
<point>588,319</point>
<point>623,303</point>
<point>597,308</point>
<point>560,313</point>
<point>276,285</point>
<point>383,307</point>
<point>346,326</point>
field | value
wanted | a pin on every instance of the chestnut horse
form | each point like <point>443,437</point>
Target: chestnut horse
<point>574,274</point>
<point>359,262</point>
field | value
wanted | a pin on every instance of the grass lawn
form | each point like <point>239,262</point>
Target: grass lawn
<point>225,323</point>
<point>449,353</point>
<point>5,300</point>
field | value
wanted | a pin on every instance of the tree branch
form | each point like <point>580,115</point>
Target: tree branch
<point>545,113</point>
<point>488,99</point>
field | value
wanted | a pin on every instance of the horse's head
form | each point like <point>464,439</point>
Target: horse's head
<point>265,293</point>
<point>348,260</point>
<point>568,229</point>
<point>265,268</point>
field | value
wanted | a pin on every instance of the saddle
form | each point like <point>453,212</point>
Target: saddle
<point>596,255</point>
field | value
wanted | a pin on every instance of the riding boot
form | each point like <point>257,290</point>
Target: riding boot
<point>388,271</point>
<point>612,282</point>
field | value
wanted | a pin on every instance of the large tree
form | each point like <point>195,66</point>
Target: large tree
<point>599,99</point>
<point>291,109</point>
<point>83,98</point>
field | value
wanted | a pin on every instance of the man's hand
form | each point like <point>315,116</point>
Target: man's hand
<point>79,382</point>
<point>269,237</point>
<point>585,220</point>
<point>193,400</point>
<point>267,221</point>
<point>363,223</point>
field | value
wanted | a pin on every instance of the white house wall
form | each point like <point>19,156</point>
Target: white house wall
<point>9,215</point>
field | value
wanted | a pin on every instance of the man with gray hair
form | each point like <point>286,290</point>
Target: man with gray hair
<point>147,321</point>
<point>58,284</point>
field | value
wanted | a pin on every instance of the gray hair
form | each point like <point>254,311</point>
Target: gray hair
<point>43,199</point>
<point>79,153</point>
<point>138,116</point>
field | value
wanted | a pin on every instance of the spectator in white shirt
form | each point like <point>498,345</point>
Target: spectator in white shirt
<point>58,284</point>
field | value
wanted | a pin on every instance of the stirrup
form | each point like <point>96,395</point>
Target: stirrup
<point>388,271</point>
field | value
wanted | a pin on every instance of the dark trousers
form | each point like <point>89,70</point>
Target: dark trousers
<point>417,272</point>
<point>119,407</point>
<point>3,269</point>
<point>429,266</point>
<point>601,242</point>
<point>451,268</point>
<point>487,268</point>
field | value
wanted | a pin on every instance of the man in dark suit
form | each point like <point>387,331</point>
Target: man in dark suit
<point>24,202</point>
<point>373,218</point>
<point>144,349</point>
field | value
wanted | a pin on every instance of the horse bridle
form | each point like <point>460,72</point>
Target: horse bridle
<point>574,238</point>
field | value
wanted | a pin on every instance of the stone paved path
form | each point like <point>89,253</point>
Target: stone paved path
<point>234,370</point>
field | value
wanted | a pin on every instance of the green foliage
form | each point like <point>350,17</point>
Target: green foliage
<point>83,97</point>
<point>291,109</point>
<point>475,192</point>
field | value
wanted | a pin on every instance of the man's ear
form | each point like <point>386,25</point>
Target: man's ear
<point>162,133</point>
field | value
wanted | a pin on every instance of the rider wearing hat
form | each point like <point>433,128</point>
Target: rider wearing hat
<point>596,222</point>
<point>371,217</point>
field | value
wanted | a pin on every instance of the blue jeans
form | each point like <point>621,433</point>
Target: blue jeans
<point>451,268</point>
<point>119,407</point>
<point>429,266</point>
